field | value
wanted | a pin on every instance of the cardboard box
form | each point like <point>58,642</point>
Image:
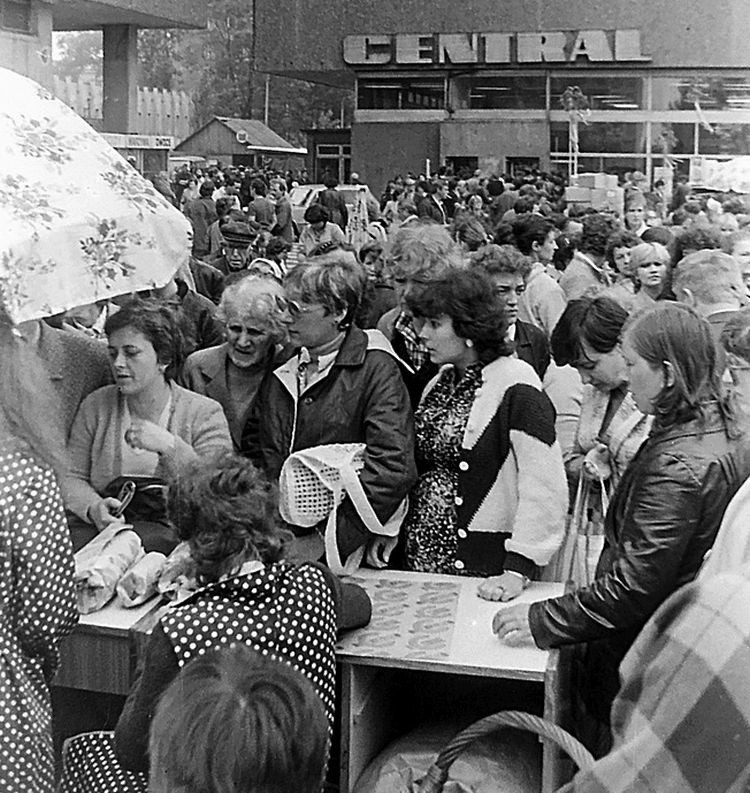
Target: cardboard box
<point>596,181</point>
<point>578,195</point>
<point>612,199</point>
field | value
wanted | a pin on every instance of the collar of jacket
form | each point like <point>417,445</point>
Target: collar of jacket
<point>52,349</point>
<point>711,421</point>
<point>352,354</point>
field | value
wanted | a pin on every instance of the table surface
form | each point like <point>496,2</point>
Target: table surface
<point>419,621</point>
<point>438,622</point>
<point>114,619</point>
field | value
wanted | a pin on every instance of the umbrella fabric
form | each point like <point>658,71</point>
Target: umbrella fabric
<point>79,224</point>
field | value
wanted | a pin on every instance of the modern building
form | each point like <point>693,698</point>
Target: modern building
<point>479,84</point>
<point>26,28</point>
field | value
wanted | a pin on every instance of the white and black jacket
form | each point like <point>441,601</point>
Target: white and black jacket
<point>512,493</point>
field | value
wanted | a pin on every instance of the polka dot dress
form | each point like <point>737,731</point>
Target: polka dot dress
<point>37,598</point>
<point>281,611</point>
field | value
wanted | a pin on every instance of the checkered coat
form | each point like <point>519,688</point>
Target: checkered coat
<point>681,721</point>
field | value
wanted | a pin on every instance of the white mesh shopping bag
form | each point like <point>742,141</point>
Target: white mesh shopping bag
<point>312,484</point>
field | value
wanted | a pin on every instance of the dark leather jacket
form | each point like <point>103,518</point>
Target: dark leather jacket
<point>362,399</point>
<point>662,519</point>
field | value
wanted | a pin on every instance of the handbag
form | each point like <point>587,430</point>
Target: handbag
<point>149,500</point>
<point>312,484</point>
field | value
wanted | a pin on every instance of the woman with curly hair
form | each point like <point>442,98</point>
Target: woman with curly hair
<point>226,511</point>
<point>491,497</point>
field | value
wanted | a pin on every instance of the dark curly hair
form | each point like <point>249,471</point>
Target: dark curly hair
<point>467,297</point>
<point>159,324</point>
<point>597,229</point>
<point>227,512</point>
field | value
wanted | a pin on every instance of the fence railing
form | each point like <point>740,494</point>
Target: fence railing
<point>159,112</point>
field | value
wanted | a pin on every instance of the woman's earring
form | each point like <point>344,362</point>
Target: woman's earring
<point>469,343</point>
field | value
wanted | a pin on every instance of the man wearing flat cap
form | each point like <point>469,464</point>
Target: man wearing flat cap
<point>235,253</point>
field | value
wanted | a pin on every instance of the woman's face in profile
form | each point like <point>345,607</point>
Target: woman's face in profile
<point>135,365</point>
<point>646,382</point>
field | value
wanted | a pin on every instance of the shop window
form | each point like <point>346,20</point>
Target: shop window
<point>401,93</point>
<point>480,92</point>
<point>732,139</point>
<point>16,15</point>
<point>711,92</point>
<point>462,167</point>
<point>682,138</point>
<point>603,93</point>
<point>608,138</point>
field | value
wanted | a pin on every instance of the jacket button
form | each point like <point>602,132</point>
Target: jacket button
<point>458,501</point>
<point>308,400</point>
<point>458,564</point>
<point>462,534</point>
<point>463,466</point>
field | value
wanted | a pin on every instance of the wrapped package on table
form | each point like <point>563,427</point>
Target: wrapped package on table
<point>140,580</point>
<point>177,579</point>
<point>102,563</point>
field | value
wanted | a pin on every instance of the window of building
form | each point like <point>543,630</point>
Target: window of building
<point>604,93</point>
<point>730,139</point>
<point>517,92</point>
<point>401,93</point>
<point>610,138</point>
<point>710,91</point>
<point>15,15</point>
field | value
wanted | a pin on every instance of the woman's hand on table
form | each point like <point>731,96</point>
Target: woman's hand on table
<point>507,586</point>
<point>149,436</point>
<point>105,512</point>
<point>596,463</point>
<point>379,550</point>
<point>511,625</point>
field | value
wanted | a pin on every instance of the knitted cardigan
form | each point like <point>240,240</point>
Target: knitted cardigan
<point>512,495</point>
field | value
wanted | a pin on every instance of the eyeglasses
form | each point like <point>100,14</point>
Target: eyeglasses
<point>296,309</point>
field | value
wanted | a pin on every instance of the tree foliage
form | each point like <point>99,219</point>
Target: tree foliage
<point>215,66</point>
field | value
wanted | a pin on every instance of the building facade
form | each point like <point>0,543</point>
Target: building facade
<point>479,85</point>
<point>26,28</point>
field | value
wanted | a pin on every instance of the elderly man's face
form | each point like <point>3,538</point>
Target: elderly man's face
<point>237,257</point>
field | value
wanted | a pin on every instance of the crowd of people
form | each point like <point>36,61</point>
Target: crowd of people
<point>534,391</point>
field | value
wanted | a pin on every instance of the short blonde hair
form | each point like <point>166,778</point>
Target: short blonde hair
<point>335,280</point>
<point>424,252</point>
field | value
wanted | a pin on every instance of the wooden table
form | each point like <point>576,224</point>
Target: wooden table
<point>428,650</point>
<point>100,654</point>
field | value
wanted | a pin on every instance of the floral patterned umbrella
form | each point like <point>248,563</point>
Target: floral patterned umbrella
<point>79,224</point>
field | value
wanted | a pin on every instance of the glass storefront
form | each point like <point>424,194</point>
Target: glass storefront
<point>633,112</point>
<point>499,92</point>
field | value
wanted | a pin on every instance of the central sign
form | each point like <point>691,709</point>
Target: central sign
<point>555,46</point>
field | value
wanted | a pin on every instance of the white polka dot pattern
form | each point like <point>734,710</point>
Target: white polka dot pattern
<point>283,611</point>
<point>37,603</point>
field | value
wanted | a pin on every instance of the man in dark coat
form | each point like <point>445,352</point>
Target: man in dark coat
<point>201,212</point>
<point>334,202</point>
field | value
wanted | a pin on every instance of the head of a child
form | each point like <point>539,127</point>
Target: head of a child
<point>235,721</point>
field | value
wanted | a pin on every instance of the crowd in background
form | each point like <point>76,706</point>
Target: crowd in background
<point>537,390</point>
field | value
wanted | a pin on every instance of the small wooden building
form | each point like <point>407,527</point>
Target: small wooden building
<point>242,141</point>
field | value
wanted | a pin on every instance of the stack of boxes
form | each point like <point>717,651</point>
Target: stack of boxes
<point>597,190</point>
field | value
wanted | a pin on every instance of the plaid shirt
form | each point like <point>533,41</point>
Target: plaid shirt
<point>681,721</point>
<point>415,348</point>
